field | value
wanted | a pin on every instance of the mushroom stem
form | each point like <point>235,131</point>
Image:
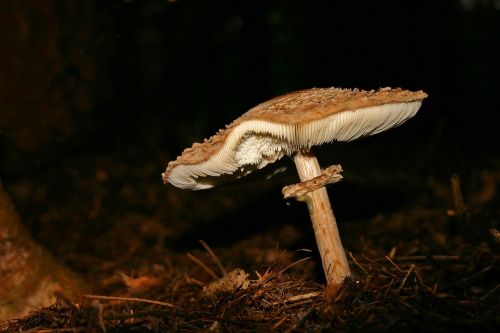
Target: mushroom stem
<point>332,253</point>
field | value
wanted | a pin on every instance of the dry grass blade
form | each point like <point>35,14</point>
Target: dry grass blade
<point>128,299</point>
<point>214,257</point>
<point>202,265</point>
<point>293,264</point>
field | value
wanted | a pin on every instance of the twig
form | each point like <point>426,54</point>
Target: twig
<point>190,280</point>
<point>456,191</point>
<point>128,299</point>
<point>278,324</point>
<point>202,265</point>
<point>389,287</point>
<point>357,263</point>
<point>297,298</point>
<point>421,280</point>
<point>328,176</point>
<point>434,257</point>
<point>490,292</point>
<point>412,267</point>
<point>214,326</point>
<point>214,257</point>
<point>385,270</point>
<point>56,330</point>
<point>444,257</point>
<point>412,258</point>
<point>468,279</point>
<point>393,263</point>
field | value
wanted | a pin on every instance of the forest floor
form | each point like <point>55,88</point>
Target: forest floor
<point>431,267</point>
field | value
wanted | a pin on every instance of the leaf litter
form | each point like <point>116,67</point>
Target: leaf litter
<point>419,274</point>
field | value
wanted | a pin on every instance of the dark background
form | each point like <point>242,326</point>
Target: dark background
<point>97,96</point>
<point>194,68</point>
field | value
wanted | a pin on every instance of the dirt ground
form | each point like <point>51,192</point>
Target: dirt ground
<point>432,266</point>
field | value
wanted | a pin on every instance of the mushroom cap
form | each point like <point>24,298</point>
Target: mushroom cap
<point>286,124</point>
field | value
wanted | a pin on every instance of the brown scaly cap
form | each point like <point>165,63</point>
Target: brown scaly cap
<point>296,108</point>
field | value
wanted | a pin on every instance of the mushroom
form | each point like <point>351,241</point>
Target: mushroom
<point>290,125</point>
